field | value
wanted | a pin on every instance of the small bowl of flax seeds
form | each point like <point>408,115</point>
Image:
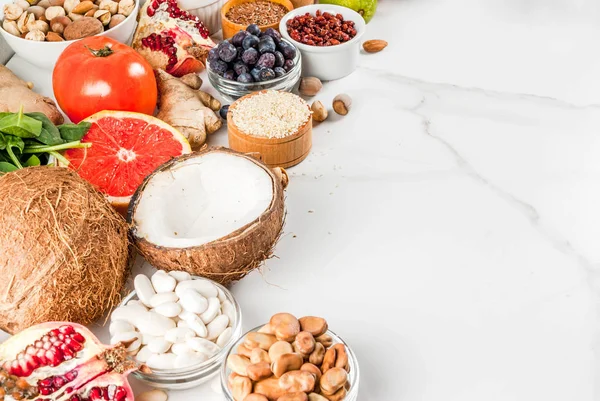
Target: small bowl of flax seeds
<point>236,15</point>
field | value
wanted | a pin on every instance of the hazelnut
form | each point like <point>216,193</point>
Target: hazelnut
<point>126,7</point>
<point>11,27</point>
<point>38,26</point>
<point>58,24</point>
<point>310,86</point>
<point>35,35</point>
<point>319,112</point>
<point>341,104</point>
<point>53,12</point>
<point>12,12</point>
<point>116,20</point>
<point>54,37</point>
<point>37,11</point>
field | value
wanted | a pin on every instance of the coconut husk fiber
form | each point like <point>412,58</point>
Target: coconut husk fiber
<point>64,250</point>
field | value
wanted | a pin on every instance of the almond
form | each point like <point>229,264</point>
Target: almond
<point>54,37</point>
<point>83,7</point>
<point>375,45</point>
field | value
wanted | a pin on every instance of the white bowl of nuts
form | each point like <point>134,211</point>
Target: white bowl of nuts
<point>39,30</point>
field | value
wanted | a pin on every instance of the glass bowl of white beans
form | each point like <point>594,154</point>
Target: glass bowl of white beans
<point>350,389</point>
<point>190,349</point>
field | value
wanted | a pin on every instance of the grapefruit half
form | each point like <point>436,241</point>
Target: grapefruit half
<point>126,147</point>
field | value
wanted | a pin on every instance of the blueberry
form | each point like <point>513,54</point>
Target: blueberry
<point>240,67</point>
<point>279,59</point>
<point>289,51</point>
<point>250,56</point>
<point>255,73</point>
<point>239,37</point>
<point>289,64</point>
<point>223,111</point>
<point>227,52</point>
<point>266,45</point>
<point>230,74</point>
<point>266,74</point>
<point>245,78</point>
<point>253,29</point>
<point>267,60</point>
<point>273,34</point>
<point>240,51</point>
<point>213,54</point>
<point>250,41</point>
<point>219,66</point>
<point>279,72</point>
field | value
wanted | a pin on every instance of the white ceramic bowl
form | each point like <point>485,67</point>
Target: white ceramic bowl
<point>328,62</point>
<point>45,54</point>
<point>209,12</point>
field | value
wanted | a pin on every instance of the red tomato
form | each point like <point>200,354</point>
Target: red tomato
<point>98,73</point>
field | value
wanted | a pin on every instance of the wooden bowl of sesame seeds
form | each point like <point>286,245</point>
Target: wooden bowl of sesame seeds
<point>236,15</point>
<point>273,124</point>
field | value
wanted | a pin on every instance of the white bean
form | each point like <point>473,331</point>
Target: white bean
<point>137,304</point>
<point>229,310</point>
<point>192,301</point>
<point>161,361</point>
<point>180,276</point>
<point>143,354</point>
<point>132,349</point>
<point>126,314</point>
<point>214,308</point>
<point>146,338</point>
<point>143,288</point>
<point>162,282</point>
<point>163,298</point>
<point>155,324</point>
<point>203,346</point>
<point>185,360</point>
<point>221,295</point>
<point>170,309</point>
<point>120,326</point>
<point>187,316</point>
<point>124,337</point>
<point>224,337</point>
<point>182,323</point>
<point>203,287</point>
<point>159,345</point>
<point>217,326</point>
<point>198,326</point>
<point>179,334</point>
<point>181,348</point>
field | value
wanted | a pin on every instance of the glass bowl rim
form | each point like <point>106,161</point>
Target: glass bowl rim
<point>162,373</point>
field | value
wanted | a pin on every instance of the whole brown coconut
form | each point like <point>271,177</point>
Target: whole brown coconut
<point>65,250</point>
<point>223,259</point>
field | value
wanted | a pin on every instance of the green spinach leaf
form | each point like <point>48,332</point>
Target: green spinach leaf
<point>50,135</point>
<point>18,124</point>
<point>74,132</point>
<point>6,167</point>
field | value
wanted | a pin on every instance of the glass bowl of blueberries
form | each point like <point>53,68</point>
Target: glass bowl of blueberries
<point>252,61</point>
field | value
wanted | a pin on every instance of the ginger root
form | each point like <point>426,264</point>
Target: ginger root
<point>14,93</point>
<point>185,107</point>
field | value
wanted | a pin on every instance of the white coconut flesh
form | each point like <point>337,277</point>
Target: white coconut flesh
<point>202,199</point>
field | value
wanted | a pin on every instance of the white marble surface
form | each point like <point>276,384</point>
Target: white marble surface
<point>448,226</point>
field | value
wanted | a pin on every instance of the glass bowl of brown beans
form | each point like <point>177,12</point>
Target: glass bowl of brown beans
<point>328,36</point>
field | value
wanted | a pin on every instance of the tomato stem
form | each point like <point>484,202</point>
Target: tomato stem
<point>104,52</point>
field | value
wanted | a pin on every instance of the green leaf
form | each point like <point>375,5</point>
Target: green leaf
<point>50,135</point>
<point>14,142</point>
<point>2,141</point>
<point>74,132</point>
<point>6,167</point>
<point>18,124</point>
<point>32,161</point>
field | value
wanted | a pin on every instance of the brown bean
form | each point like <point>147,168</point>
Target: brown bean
<point>325,339</point>
<point>285,326</point>
<point>244,351</point>
<point>304,343</point>
<point>337,396</point>
<point>280,348</point>
<point>259,371</point>
<point>298,396</point>
<point>316,357</point>
<point>316,397</point>
<point>297,380</point>
<point>341,357</point>
<point>230,378</point>
<point>314,369</point>
<point>238,364</point>
<point>333,380</point>
<point>255,397</point>
<point>269,388</point>
<point>329,359</point>
<point>314,325</point>
<point>240,388</point>
<point>267,329</point>
<point>259,355</point>
<point>285,363</point>
<point>260,340</point>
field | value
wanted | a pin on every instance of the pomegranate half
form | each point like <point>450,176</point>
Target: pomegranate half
<point>63,361</point>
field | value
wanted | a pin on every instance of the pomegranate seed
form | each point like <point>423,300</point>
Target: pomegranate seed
<point>66,329</point>
<point>46,390</point>
<point>68,390</point>
<point>69,354</point>
<point>32,361</point>
<point>150,12</point>
<point>47,382</point>
<point>25,368</point>
<point>61,336</point>
<point>30,350</point>
<point>120,394</point>
<point>59,381</point>
<point>53,332</point>
<point>47,345</point>
<point>74,397</point>
<point>38,344</point>
<point>78,337</point>
<point>95,394</point>
<point>74,345</point>
<point>71,375</point>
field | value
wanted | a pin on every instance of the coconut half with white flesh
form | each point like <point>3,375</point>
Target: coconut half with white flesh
<point>215,213</point>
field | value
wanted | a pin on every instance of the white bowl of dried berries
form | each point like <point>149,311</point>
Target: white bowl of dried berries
<point>327,53</point>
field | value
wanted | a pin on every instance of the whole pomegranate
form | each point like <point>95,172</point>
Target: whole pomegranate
<point>63,361</point>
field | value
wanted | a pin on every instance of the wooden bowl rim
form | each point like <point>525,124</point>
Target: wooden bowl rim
<point>300,132</point>
<point>227,6</point>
